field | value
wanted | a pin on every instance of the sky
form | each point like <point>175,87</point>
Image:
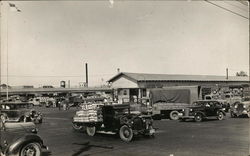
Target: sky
<point>50,41</point>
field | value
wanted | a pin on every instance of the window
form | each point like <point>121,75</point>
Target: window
<point>125,92</point>
<point>144,92</point>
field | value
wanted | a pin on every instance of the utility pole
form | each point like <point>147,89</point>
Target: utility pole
<point>12,7</point>
<point>227,73</point>
<point>86,70</point>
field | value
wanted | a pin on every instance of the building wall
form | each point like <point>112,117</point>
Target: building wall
<point>203,84</point>
<point>123,95</point>
<point>123,82</point>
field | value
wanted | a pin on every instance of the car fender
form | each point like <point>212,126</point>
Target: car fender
<point>224,113</point>
<point>200,112</point>
<point>14,148</point>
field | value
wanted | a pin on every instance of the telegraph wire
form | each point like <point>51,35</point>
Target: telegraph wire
<point>55,75</point>
<point>227,9</point>
<point>235,6</point>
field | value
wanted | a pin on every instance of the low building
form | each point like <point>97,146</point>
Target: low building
<point>130,87</point>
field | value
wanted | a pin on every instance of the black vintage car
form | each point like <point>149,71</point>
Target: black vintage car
<point>20,139</point>
<point>203,109</point>
<point>19,112</point>
<point>118,119</point>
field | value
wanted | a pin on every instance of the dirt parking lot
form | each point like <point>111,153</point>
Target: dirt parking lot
<point>229,137</point>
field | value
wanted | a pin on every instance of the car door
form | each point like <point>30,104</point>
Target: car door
<point>209,108</point>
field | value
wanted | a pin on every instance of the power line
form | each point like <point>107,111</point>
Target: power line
<point>235,6</point>
<point>226,9</point>
<point>54,75</point>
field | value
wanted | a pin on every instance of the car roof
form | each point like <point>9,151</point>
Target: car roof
<point>15,103</point>
<point>246,102</point>
<point>208,100</point>
<point>118,106</point>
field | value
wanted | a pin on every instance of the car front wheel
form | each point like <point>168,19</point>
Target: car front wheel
<point>198,118</point>
<point>31,149</point>
<point>233,115</point>
<point>126,133</point>
<point>220,116</point>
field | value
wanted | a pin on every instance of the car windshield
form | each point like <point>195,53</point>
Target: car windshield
<point>121,111</point>
<point>202,103</point>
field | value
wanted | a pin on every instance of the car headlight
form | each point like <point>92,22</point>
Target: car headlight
<point>236,106</point>
<point>182,110</point>
<point>191,109</point>
<point>35,130</point>
<point>224,109</point>
<point>244,106</point>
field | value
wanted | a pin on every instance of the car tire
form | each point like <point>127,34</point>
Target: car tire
<point>220,116</point>
<point>182,120</point>
<point>174,115</point>
<point>33,149</point>
<point>126,133</point>
<point>77,127</point>
<point>157,117</point>
<point>232,115</point>
<point>198,118</point>
<point>3,118</point>
<point>91,130</point>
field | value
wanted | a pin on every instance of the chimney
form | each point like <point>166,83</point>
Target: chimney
<point>86,69</point>
<point>227,73</point>
<point>118,70</point>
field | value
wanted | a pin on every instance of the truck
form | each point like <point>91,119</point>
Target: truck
<point>169,101</point>
<point>113,119</point>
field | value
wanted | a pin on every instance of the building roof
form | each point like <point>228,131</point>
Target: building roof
<point>176,77</point>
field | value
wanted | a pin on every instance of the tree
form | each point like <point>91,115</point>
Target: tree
<point>241,73</point>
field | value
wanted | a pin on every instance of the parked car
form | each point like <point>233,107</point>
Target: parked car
<point>203,109</point>
<point>20,139</point>
<point>118,119</point>
<point>240,109</point>
<point>19,112</point>
<point>35,102</point>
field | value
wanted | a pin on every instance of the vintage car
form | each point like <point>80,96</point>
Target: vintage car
<point>19,112</point>
<point>117,119</point>
<point>240,109</point>
<point>203,109</point>
<point>20,139</point>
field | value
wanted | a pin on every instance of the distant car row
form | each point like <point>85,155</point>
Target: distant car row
<point>204,109</point>
<point>19,112</point>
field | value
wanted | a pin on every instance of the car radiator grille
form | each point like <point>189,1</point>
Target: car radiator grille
<point>138,125</point>
<point>186,111</point>
<point>240,108</point>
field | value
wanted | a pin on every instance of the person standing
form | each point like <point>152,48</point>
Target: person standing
<point>59,105</point>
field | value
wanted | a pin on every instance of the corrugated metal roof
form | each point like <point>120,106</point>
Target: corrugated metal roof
<point>177,77</point>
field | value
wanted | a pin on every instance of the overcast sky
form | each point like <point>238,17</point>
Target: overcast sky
<point>51,41</point>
